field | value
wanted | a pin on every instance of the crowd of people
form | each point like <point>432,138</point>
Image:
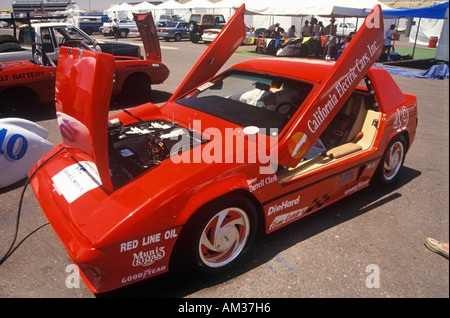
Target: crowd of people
<point>312,29</point>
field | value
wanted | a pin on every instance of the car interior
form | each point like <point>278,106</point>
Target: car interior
<point>351,132</point>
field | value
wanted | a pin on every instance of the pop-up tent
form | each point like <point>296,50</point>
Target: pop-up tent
<point>436,11</point>
<point>435,23</point>
<point>324,8</point>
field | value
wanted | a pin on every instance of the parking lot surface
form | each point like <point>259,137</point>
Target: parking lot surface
<point>331,253</point>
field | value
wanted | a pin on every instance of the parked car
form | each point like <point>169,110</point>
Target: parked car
<point>210,34</point>
<point>184,185</point>
<point>201,21</point>
<point>170,17</point>
<point>346,29</point>
<point>172,30</point>
<point>92,23</point>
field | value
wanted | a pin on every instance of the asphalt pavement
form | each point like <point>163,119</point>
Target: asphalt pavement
<point>332,253</point>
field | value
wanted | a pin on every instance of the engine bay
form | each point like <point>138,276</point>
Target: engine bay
<point>135,148</point>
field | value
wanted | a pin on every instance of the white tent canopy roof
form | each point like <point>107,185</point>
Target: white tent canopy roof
<point>349,8</point>
<point>289,7</point>
<point>199,4</point>
<point>171,4</point>
<point>230,3</point>
<point>144,6</point>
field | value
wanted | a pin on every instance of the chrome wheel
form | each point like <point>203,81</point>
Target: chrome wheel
<point>224,237</point>
<point>393,160</point>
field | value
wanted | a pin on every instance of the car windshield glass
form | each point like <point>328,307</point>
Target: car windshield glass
<point>69,34</point>
<point>250,99</point>
<point>171,24</point>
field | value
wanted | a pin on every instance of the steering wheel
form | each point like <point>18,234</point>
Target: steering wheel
<point>73,43</point>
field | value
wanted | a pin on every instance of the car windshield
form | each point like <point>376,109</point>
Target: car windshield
<point>248,99</point>
<point>65,34</point>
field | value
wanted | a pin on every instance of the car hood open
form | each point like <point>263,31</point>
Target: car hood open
<point>84,84</point>
<point>149,36</point>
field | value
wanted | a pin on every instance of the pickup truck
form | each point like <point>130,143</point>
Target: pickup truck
<point>346,29</point>
<point>92,23</point>
<point>125,26</point>
<point>26,84</point>
<point>51,36</point>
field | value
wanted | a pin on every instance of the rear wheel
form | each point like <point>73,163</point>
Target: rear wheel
<point>136,89</point>
<point>195,37</point>
<point>10,47</point>
<point>218,236</point>
<point>7,38</point>
<point>392,160</point>
<point>123,33</point>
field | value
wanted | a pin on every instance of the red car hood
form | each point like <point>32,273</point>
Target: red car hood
<point>149,36</point>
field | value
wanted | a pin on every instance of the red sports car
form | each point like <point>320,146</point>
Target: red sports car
<point>256,147</point>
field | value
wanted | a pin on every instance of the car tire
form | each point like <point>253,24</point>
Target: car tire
<point>392,161</point>
<point>192,27</point>
<point>123,33</point>
<point>177,37</point>
<point>10,47</point>
<point>217,237</point>
<point>4,38</point>
<point>136,88</point>
<point>195,38</point>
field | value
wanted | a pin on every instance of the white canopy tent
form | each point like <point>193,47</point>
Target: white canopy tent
<point>289,7</point>
<point>171,7</point>
<point>354,8</point>
<point>143,7</point>
<point>170,4</point>
<point>259,13</point>
<point>121,11</point>
<point>199,6</point>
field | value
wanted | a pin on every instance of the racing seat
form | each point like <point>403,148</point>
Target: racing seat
<point>344,126</point>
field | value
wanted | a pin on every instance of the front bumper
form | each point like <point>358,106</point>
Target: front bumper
<point>93,229</point>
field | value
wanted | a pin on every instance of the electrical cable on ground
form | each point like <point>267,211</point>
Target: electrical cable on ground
<point>11,250</point>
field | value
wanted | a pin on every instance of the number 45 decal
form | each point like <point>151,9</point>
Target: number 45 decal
<point>401,118</point>
<point>15,147</point>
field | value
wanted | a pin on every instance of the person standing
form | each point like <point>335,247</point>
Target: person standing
<point>330,29</point>
<point>305,30</point>
<point>389,36</point>
<point>291,32</point>
<point>115,26</point>
<point>273,28</point>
